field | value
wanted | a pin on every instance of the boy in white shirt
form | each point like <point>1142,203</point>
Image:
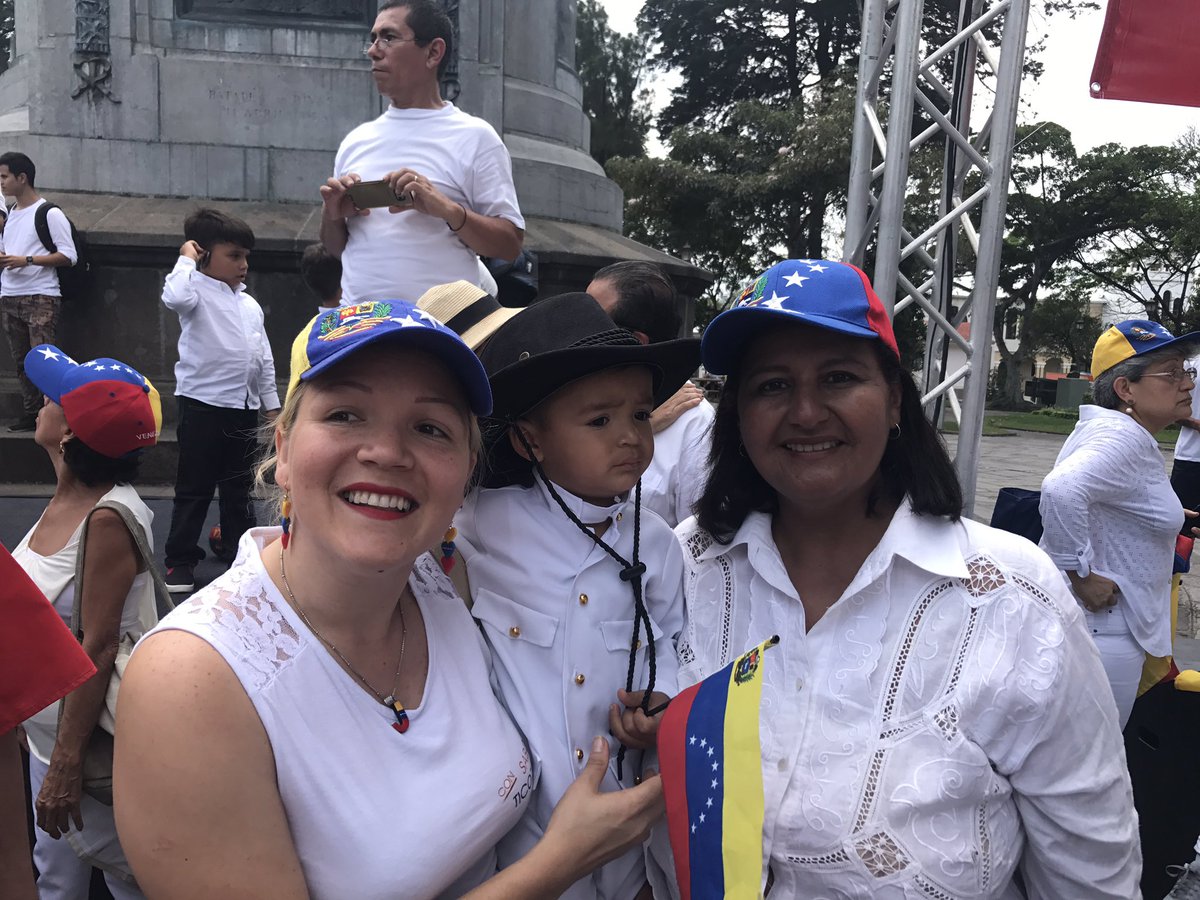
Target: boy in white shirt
<point>224,376</point>
<point>578,586</point>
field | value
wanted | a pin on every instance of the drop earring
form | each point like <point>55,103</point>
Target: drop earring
<point>285,519</point>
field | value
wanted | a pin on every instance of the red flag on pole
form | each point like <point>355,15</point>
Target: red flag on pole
<point>1148,52</point>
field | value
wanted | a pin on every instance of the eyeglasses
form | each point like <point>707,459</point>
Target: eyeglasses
<point>385,40</point>
<point>1176,376</point>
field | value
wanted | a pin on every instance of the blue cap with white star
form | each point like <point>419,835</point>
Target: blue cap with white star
<point>336,335</point>
<point>819,292</point>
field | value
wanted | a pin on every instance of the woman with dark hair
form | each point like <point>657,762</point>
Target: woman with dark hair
<point>929,723</point>
<point>1109,511</point>
<point>94,424</point>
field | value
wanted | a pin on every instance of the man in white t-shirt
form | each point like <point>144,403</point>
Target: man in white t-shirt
<point>449,171</point>
<point>1185,471</point>
<point>29,293</point>
<point>640,297</point>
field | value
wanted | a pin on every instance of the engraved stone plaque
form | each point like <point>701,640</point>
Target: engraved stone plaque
<point>279,12</point>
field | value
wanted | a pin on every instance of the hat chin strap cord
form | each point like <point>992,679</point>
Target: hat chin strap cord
<point>630,571</point>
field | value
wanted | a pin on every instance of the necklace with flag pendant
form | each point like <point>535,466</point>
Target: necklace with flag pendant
<point>401,724</point>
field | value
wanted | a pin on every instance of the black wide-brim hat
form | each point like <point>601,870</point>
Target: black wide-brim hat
<point>562,339</point>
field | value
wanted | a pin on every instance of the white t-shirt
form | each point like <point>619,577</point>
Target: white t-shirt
<point>1107,507</point>
<point>1187,447</point>
<point>947,719</point>
<point>21,239</point>
<point>374,814</point>
<point>225,358</point>
<point>400,256</point>
<point>674,480</point>
<point>55,577</point>
<point>560,621</point>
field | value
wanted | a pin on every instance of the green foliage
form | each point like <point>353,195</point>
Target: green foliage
<point>7,31</point>
<point>610,71</point>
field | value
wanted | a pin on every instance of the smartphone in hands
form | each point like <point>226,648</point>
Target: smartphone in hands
<point>374,194</point>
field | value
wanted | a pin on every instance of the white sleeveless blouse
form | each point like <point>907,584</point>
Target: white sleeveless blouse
<point>373,813</point>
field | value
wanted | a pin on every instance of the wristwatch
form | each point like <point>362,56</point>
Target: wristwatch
<point>29,260</point>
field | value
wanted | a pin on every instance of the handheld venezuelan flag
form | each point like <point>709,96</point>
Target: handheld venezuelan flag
<point>711,760</point>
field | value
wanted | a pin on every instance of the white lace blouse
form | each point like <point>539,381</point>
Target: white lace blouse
<point>945,721</point>
<point>373,813</point>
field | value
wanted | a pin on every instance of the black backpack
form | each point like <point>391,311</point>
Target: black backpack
<point>74,280</point>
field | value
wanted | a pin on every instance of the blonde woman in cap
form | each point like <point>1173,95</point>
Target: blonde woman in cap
<point>96,421</point>
<point>1109,512</point>
<point>927,728</point>
<point>320,721</point>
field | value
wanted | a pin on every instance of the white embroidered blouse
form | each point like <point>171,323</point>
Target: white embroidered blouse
<point>945,721</point>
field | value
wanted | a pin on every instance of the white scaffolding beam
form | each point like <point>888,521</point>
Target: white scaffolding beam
<point>948,267</point>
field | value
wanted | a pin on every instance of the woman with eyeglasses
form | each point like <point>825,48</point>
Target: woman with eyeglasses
<point>1109,512</point>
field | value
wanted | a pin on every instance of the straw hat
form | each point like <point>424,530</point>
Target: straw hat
<point>466,309</point>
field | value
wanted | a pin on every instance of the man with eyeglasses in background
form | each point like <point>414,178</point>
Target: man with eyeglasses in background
<point>450,172</point>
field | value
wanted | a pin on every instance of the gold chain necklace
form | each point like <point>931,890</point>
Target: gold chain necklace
<point>401,723</point>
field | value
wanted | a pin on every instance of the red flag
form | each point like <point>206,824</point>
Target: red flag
<point>1148,52</point>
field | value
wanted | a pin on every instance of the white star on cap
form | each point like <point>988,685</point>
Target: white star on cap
<point>776,301</point>
<point>427,317</point>
<point>796,279</point>
<point>816,267</point>
<point>409,322</point>
<point>47,353</point>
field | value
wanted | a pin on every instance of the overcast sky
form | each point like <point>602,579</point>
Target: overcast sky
<point>1061,94</point>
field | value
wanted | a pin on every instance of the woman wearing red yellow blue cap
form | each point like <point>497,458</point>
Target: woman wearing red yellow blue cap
<point>96,420</point>
<point>327,704</point>
<point>1109,513</point>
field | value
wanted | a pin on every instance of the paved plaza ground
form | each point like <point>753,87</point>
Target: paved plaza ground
<point>1019,460</point>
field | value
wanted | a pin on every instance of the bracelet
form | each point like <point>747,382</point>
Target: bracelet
<point>464,221</point>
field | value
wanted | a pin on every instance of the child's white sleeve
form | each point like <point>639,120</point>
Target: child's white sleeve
<point>179,291</point>
<point>268,390</point>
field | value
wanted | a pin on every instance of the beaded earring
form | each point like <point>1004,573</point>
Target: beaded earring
<point>285,519</point>
<point>447,560</point>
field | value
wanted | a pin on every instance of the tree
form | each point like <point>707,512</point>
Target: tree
<point>1062,209</point>
<point>610,70</point>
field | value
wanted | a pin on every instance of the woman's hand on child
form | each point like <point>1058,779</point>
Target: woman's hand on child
<point>629,724</point>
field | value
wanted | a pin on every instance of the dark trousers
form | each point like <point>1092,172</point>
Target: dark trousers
<point>1185,479</point>
<point>218,449</point>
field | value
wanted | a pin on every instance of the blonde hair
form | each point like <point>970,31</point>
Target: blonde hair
<point>264,474</point>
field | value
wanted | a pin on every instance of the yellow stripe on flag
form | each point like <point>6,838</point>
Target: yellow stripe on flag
<point>742,814</point>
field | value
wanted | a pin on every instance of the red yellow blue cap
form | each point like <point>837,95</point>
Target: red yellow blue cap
<point>820,292</point>
<point>111,407</point>
<point>1134,337</point>
<point>331,337</point>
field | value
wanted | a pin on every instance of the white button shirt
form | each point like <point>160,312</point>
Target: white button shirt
<point>1108,507</point>
<point>946,720</point>
<point>675,477</point>
<point>224,356</point>
<point>559,620</point>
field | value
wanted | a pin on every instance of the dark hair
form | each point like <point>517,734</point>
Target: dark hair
<point>19,164</point>
<point>321,271</point>
<point>94,468</point>
<point>208,227</point>
<point>427,20</point>
<point>915,463</point>
<point>646,299</point>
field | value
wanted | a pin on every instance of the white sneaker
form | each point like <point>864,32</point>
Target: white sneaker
<point>1187,887</point>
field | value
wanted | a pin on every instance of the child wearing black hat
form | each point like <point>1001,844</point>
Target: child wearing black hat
<point>578,589</point>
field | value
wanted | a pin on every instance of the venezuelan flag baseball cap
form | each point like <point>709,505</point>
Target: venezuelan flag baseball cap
<point>1134,337</point>
<point>333,336</point>
<point>111,407</point>
<point>818,292</point>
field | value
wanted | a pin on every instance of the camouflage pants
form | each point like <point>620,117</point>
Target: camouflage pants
<point>28,321</point>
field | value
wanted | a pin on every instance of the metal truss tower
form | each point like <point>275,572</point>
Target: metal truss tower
<point>960,92</point>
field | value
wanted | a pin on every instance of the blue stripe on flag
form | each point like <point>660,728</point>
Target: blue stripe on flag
<point>706,786</point>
